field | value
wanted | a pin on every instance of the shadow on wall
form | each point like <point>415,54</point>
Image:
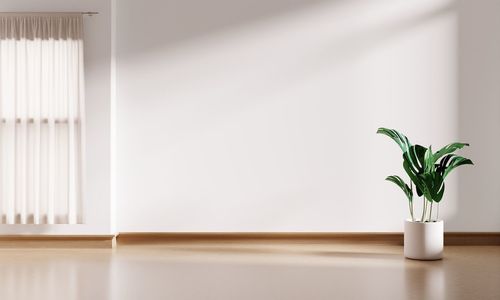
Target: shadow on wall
<point>180,21</point>
<point>479,111</point>
<point>176,21</point>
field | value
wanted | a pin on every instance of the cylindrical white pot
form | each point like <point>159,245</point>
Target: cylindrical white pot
<point>423,241</point>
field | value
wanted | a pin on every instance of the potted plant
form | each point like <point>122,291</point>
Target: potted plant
<point>427,170</point>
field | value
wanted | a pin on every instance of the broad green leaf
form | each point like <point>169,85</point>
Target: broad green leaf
<point>439,197</point>
<point>448,149</point>
<point>416,158</point>
<point>428,161</point>
<point>451,161</point>
<point>402,185</point>
<point>434,183</point>
<point>398,137</point>
<point>427,182</point>
<point>417,181</point>
<point>443,163</point>
<point>419,191</point>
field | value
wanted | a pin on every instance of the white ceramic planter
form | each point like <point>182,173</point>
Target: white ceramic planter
<point>423,241</point>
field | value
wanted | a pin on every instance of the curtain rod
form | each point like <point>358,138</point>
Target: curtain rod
<point>85,13</point>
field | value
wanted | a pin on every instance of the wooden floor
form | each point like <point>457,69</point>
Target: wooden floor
<point>248,271</point>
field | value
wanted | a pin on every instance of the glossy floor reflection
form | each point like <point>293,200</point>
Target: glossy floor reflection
<point>248,271</point>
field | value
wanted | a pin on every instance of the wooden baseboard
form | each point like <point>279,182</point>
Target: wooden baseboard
<point>130,238</point>
<point>56,241</point>
<point>127,238</point>
<point>472,238</point>
<point>451,238</point>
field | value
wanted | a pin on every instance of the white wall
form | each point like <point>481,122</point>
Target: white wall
<point>240,115</point>
<point>479,114</point>
<point>97,73</point>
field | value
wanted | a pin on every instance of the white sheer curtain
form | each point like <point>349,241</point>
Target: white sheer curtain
<point>42,118</point>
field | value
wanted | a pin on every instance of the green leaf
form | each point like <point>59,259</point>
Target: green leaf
<point>423,174</point>
<point>428,161</point>
<point>434,184</point>
<point>416,158</point>
<point>448,149</point>
<point>402,185</point>
<point>414,176</point>
<point>452,161</point>
<point>398,137</point>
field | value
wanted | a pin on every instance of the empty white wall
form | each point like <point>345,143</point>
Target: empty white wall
<point>240,115</point>
<point>97,81</point>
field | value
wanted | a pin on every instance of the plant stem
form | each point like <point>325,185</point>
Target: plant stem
<point>423,210</point>
<point>410,204</point>
<point>437,215</point>
<point>412,215</point>
<point>430,214</point>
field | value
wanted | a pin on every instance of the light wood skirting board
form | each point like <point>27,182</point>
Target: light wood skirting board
<point>450,238</point>
<point>56,241</point>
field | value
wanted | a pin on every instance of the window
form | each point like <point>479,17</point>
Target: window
<point>42,118</point>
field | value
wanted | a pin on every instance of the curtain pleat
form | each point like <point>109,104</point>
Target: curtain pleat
<point>42,119</point>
